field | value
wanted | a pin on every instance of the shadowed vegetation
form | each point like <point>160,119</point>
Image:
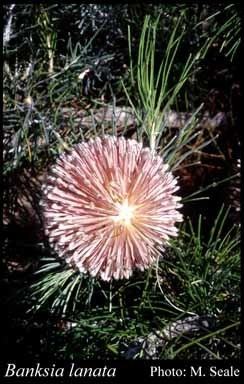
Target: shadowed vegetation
<point>168,76</point>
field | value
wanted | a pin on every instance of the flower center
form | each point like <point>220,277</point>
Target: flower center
<point>125,213</point>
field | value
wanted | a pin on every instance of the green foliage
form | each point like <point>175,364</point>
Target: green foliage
<point>197,275</point>
<point>228,36</point>
<point>48,37</point>
<point>45,61</point>
<point>157,94</point>
<point>206,269</point>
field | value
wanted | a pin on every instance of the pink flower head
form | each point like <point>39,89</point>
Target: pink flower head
<point>108,207</point>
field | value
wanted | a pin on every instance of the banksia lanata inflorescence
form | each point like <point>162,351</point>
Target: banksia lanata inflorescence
<point>108,207</point>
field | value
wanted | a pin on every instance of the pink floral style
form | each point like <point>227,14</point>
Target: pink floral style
<point>108,207</point>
